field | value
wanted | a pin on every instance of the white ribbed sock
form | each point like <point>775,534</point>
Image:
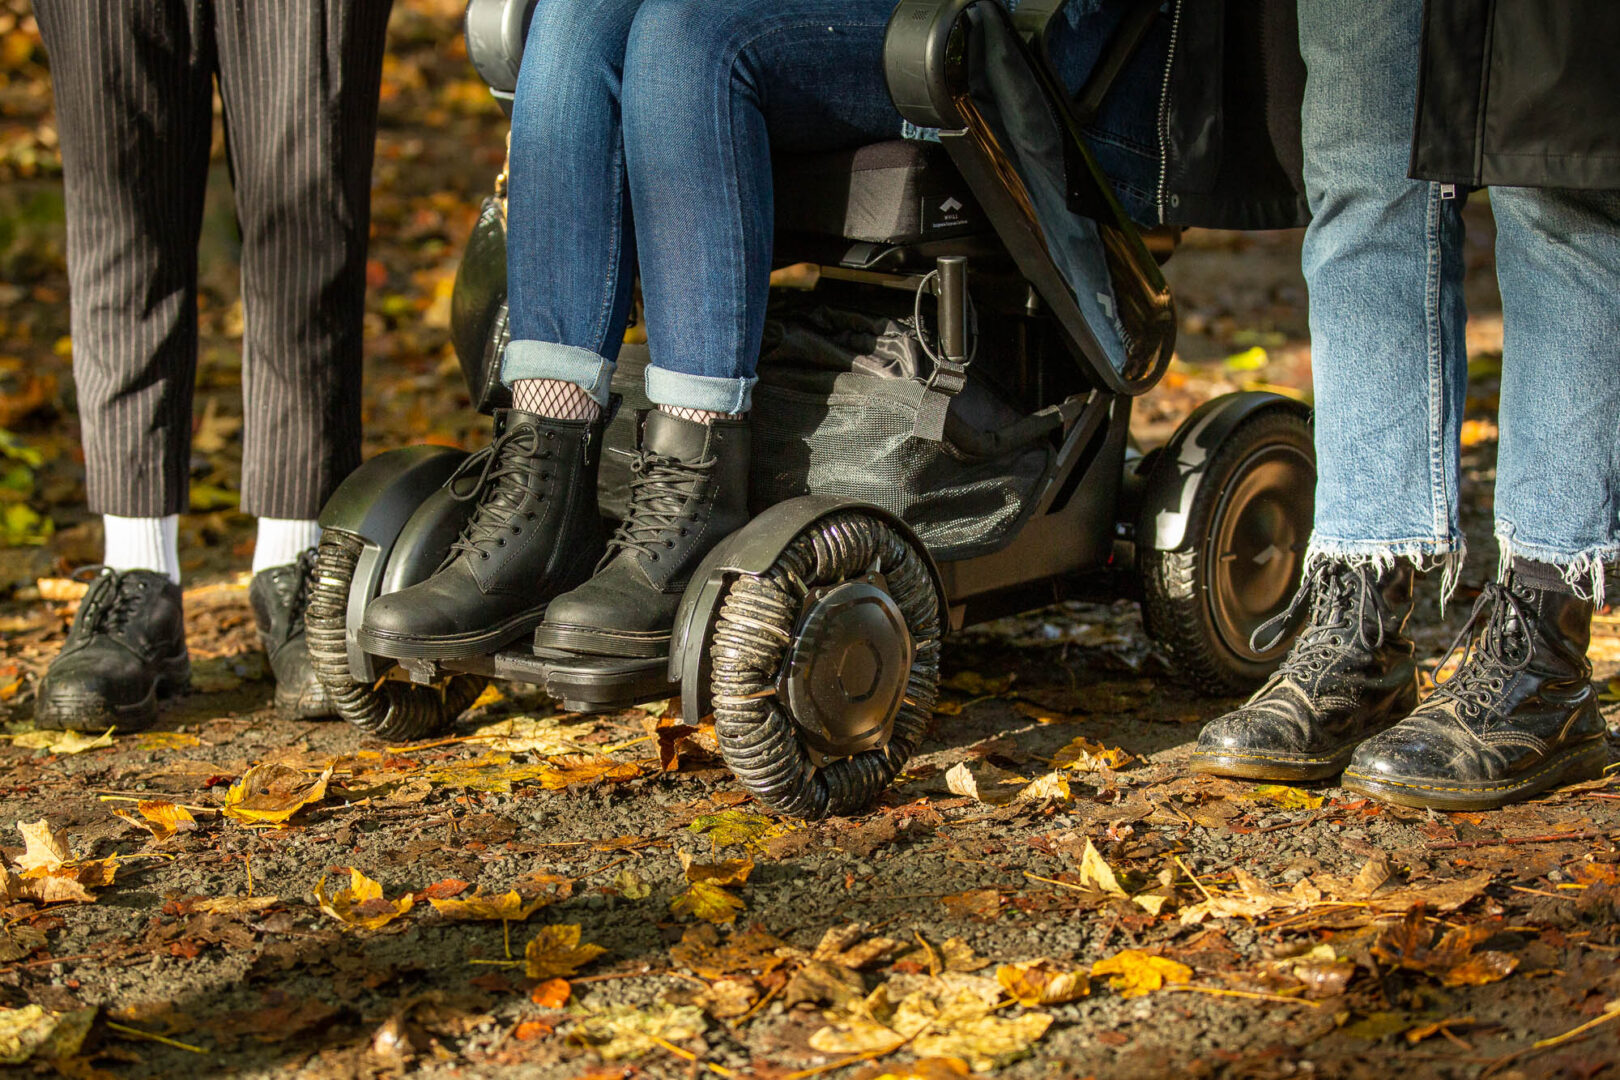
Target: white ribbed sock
<point>143,543</point>
<point>282,540</point>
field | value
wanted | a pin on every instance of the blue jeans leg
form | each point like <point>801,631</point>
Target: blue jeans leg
<point>1383,262</point>
<point>710,91</point>
<point>570,253</point>
<point>1558,461</point>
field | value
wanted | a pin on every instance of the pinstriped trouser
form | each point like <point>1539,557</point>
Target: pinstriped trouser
<point>133,82</point>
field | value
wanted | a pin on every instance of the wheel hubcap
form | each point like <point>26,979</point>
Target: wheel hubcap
<point>1258,543</point>
<point>846,670</point>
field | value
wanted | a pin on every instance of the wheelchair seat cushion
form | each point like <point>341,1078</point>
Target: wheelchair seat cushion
<point>904,191</point>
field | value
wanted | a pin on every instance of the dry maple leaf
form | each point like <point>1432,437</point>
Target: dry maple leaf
<point>1136,973</point>
<point>161,819</point>
<point>727,872</point>
<point>527,735</point>
<point>740,828</point>
<point>47,848</point>
<point>65,742</point>
<point>751,951</point>
<point>1041,982</point>
<point>556,952</point>
<point>270,793</point>
<point>1082,755</point>
<point>508,907</point>
<point>705,901</point>
<point>980,905</point>
<point>1410,944</point>
<point>32,1031</point>
<point>624,1031</point>
<point>1285,797</point>
<point>360,904</point>
<point>570,769</point>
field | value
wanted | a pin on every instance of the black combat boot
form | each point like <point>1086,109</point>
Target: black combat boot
<point>127,648</point>
<point>1519,716</point>
<point>688,491</point>
<point>536,533</point>
<point>279,596</point>
<point>1349,675</point>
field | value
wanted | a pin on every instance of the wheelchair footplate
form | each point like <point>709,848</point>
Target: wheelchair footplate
<point>581,683</point>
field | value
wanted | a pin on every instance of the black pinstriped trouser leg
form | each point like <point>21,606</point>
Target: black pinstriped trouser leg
<point>133,82</point>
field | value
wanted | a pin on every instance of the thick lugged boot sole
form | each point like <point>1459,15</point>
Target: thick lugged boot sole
<point>1570,765</point>
<point>589,641</point>
<point>453,646</point>
<point>1283,767</point>
<point>88,712</point>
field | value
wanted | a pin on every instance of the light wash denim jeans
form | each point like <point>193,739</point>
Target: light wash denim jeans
<point>674,107</point>
<point>1383,259</point>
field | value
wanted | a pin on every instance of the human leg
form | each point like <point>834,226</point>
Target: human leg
<point>133,102</point>
<point>1383,262</point>
<point>1519,715</point>
<point>537,530</point>
<point>756,77</point>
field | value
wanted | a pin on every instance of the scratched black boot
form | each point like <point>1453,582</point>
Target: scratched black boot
<point>1518,717</point>
<point>1349,675</point>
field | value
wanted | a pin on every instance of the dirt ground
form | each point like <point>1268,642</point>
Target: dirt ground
<point>1191,926</point>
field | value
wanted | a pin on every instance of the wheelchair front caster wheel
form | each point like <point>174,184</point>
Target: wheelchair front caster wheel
<point>387,708</point>
<point>825,667</point>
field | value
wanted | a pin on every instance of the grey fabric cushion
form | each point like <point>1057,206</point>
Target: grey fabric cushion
<point>900,192</point>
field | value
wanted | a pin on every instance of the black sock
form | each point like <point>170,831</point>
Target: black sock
<point>1540,575</point>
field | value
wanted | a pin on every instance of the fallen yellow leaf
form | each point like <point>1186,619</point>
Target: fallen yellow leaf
<point>624,1031</point>
<point>556,952</point>
<point>508,907</point>
<point>361,904</point>
<point>165,740</point>
<point>728,872</point>
<point>64,742</point>
<point>706,901</point>
<point>1082,755</point>
<point>47,849</point>
<point>1136,973</point>
<point>527,735</point>
<point>271,793</point>
<point>1041,982</point>
<point>1288,798</point>
<point>32,1031</point>
<point>161,819</point>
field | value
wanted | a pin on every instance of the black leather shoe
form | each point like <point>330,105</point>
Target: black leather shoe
<point>688,491</point>
<point>1350,674</point>
<point>536,533</point>
<point>126,649</point>
<point>279,596</point>
<point>1518,717</point>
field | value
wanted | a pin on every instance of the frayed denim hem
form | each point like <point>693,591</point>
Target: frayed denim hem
<point>1584,571</point>
<point>1426,556</point>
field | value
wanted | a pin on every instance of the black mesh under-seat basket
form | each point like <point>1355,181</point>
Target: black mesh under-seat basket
<point>841,408</point>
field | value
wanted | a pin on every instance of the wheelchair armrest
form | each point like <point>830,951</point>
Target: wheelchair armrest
<point>495,31</point>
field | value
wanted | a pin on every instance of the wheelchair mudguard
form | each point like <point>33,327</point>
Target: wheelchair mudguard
<point>380,503</point>
<point>752,550</point>
<point>1163,515</point>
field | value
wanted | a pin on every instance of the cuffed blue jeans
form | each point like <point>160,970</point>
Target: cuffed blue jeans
<point>1383,260</point>
<point>672,106</point>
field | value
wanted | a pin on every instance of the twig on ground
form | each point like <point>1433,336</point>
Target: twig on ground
<point>1547,838</point>
<point>137,1033</point>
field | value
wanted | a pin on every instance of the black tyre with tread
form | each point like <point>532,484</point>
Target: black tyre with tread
<point>1193,604</point>
<point>390,708</point>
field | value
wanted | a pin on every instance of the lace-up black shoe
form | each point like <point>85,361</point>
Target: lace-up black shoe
<point>535,533</point>
<point>1518,717</point>
<point>1349,675</point>
<point>688,491</point>
<point>279,596</point>
<point>126,649</point>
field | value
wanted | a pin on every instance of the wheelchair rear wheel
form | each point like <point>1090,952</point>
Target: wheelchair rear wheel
<point>1246,535</point>
<point>825,667</point>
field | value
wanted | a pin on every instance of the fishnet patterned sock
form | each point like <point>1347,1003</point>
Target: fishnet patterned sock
<point>701,416</point>
<point>556,398</point>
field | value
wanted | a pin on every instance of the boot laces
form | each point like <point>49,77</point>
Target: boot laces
<point>660,488</point>
<point>1341,600</point>
<point>111,601</point>
<point>503,474</point>
<point>1494,644</point>
<point>305,570</point>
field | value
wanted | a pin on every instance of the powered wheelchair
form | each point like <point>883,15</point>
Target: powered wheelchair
<point>941,438</point>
